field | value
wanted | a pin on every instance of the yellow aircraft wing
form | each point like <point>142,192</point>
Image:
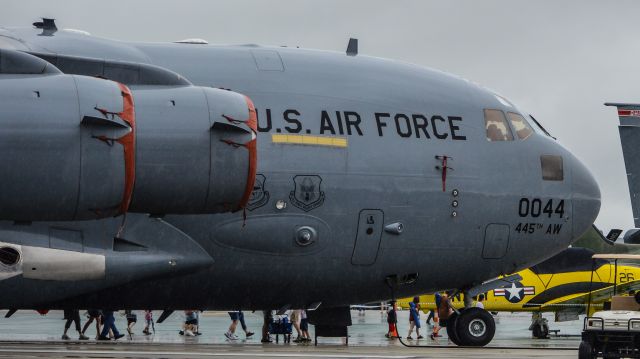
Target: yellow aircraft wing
<point>597,297</point>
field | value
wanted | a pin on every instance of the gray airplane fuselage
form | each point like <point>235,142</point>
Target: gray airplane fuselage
<point>350,158</point>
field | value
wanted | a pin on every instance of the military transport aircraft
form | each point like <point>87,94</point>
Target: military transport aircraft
<point>187,175</point>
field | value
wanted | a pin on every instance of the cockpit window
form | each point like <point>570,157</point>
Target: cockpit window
<point>496,125</point>
<point>520,125</point>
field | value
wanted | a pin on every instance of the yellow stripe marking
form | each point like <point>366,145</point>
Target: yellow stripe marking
<point>310,140</point>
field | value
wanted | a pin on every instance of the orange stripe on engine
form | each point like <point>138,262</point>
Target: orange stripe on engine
<point>128,141</point>
<point>252,147</point>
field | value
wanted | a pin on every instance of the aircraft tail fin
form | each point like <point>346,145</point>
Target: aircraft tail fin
<point>629,115</point>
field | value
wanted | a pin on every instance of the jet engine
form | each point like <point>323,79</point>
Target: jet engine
<point>76,147</point>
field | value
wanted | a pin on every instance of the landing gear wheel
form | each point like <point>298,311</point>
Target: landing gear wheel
<point>585,351</point>
<point>451,328</point>
<point>475,327</point>
<point>541,331</point>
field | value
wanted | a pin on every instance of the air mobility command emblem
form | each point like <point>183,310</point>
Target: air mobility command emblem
<point>259,197</point>
<point>306,194</point>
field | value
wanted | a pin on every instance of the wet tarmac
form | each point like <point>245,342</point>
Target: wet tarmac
<point>29,335</point>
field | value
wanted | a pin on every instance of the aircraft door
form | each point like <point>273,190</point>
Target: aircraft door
<point>368,237</point>
<point>496,241</point>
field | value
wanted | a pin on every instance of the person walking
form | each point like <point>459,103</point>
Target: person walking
<point>248,334</point>
<point>92,315</point>
<point>436,319</point>
<point>237,317</point>
<point>414,317</point>
<point>295,321</point>
<point>429,317</point>
<point>392,321</point>
<point>196,326</point>
<point>109,325</point>
<point>132,319</point>
<point>190,323</point>
<point>267,317</point>
<point>444,312</point>
<point>72,316</point>
<point>304,325</point>
<point>148,321</point>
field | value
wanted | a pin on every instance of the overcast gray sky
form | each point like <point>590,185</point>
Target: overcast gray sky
<point>559,60</point>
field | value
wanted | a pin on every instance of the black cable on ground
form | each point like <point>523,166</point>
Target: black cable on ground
<point>487,347</point>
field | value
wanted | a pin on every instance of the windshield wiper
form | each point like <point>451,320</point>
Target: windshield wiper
<point>542,128</point>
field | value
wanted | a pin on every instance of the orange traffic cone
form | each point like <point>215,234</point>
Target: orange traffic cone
<point>394,332</point>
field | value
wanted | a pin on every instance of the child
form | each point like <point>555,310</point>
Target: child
<point>414,317</point>
<point>148,319</point>
<point>190,323</point>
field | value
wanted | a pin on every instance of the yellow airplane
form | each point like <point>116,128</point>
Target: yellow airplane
<point>561,284</point>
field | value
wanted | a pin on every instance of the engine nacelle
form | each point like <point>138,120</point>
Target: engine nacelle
<point>77,147</point>
<point>195,150</point>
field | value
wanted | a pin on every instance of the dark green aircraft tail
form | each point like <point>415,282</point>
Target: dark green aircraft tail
<point>629,115</point>
<point>594,239</point>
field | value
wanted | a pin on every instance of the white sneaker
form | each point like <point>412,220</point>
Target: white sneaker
<point>235,337</point>
<point>189,333</point>
<point>229,336</point>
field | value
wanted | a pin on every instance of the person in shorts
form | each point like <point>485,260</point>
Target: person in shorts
<point>237,316</point>
<point>295,321</point>
<point>444,312</point>
<point>414,317</point>
<point>72,316</point>
<point>132,319</point>
<point>93,315</point>
<point>304,325</point>
<point>189,328</point>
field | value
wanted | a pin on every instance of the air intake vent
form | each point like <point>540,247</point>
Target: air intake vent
<point>9,256</point>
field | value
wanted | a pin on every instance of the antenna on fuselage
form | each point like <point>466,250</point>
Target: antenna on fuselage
<point>47,25</point>
<point>352,47</point>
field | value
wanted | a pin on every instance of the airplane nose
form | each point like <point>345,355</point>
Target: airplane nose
<point>586,198</point>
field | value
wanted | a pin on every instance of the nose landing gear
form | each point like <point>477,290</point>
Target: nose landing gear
<point>473,327</point>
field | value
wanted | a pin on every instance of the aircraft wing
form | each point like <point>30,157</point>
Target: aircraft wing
<point>493,284</point>
<point>597,296</point>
